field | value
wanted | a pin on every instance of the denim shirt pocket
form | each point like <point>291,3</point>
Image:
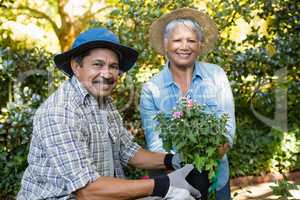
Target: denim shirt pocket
<point>167,101</point>
<point>206,95</point>
<point>211,105</point>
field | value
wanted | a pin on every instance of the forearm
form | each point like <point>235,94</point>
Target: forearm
<point>144,159</point>
<point>109,188</point>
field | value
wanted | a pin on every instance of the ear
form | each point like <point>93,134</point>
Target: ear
<point>165,46</point>
<point>200,47</point>
<point>200,43</point>
<point>75,67</point>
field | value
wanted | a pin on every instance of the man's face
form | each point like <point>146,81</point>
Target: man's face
<point>182,46</point>
<point>98,72</point>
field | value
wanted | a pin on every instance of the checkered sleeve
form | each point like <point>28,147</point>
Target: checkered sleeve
<point>67,148</point>
<point>128,148</point>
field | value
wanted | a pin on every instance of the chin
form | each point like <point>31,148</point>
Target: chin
<point>98,94</point>
<point>186,65</point>
<point>104,94</point>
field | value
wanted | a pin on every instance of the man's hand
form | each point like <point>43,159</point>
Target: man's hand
<point>187,178</point>
<point>223,149</point>
<point>178,180</point>
<point>178,194</point>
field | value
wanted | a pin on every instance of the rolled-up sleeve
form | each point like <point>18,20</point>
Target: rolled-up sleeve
<point>226,103</point>
<point>148,112</point>
<point>128,147</point>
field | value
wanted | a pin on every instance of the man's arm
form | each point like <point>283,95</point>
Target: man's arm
<point>109,188</point>
<point>144,159</point>
<point>181,182</point>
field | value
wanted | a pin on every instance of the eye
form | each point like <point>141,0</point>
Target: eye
<point>176,40</point>
<point>114,66</point>
<point>98,64</point>
<point>192,41</point>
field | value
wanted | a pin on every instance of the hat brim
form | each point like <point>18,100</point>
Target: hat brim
<point>209,28</point>
<point>127,57</point>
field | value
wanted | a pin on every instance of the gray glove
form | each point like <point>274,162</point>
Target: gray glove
<point>177,179</point>
<point>178,194</point>
<point>176,161</point>
<point>173,161</point>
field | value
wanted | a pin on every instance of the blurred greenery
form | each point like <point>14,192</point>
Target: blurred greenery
<point>259,48</point>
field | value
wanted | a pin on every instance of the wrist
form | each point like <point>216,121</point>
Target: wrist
<point>168,161</point>
<point>161,186</point>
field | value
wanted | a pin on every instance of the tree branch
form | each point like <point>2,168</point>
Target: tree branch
<point>39,14</point>
<point>64,17</point>
<point>89,15</point>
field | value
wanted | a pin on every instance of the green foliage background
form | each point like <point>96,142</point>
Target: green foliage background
<point>258,148</point>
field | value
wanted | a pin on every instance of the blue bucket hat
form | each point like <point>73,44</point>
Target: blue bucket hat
<point>94,38</point>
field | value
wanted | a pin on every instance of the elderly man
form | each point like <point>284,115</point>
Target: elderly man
<point>79,144</point>
<point>182,36</point>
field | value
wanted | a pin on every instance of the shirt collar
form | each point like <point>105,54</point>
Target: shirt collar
<point>80,89</point>
<point>85,97</point>
<point>168,78</point>
<point>198,71</point>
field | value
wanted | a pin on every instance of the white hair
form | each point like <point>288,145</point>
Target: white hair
<point>188,23</point>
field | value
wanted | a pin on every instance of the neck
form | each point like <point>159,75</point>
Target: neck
<point>102,102</point>
<point>183,77</point>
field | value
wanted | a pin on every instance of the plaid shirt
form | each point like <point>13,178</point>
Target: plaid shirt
<point>75,141</point>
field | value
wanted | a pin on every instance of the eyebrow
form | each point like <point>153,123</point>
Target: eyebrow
<point>99,60</point>
<point>102,61</point>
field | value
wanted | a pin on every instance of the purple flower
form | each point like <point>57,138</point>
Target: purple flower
<point>177,114</point>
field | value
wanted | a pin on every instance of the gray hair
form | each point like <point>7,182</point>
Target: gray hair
<point>187,22</point>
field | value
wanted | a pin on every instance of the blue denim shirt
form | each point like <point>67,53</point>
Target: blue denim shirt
<point>209,87</point>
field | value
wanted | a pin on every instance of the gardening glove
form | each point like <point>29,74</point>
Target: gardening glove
<point>178,194</point>
<point>200,181</point>
<point>173,161</point>
<point>187,178</point>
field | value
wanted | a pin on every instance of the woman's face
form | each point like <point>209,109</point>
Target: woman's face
<point>182,46</point>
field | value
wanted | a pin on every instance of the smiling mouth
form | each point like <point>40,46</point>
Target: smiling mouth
<point>184,54</point>
<point>102,86</point>
<point>104,81</point>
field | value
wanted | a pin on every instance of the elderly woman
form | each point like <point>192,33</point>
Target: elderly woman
<point>182,36</point>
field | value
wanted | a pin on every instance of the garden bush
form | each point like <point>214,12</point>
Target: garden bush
<point>251,65</point>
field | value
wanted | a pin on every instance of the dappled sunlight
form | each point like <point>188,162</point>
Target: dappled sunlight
<point>259,192</point>
<point>76,8</point>
<point>257,49</point>
<point>22,32</point>
<point>32,35</point>
<point>145,73</point>
<point>239,32</point>
<point>79,7</point>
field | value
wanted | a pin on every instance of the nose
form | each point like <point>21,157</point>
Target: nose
<point>184,44</point>
<point>106,73</point>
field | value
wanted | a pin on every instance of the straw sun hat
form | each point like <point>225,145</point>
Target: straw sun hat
<point>209,28</point>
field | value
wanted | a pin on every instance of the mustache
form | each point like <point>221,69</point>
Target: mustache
<point>107,81</point>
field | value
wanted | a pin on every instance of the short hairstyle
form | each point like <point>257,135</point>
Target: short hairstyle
<point>79,58</point>
<point>187,22</point>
